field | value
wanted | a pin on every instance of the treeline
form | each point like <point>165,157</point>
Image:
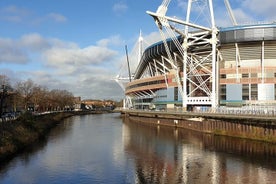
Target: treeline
<point>28,96</point>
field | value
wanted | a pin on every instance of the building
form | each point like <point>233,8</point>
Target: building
<point>90,104</point>
<point>206,68</point>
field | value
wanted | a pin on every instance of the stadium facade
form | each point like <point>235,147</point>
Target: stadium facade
<point>202,68</point>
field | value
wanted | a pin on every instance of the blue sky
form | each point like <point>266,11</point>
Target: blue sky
<point>78,45</point>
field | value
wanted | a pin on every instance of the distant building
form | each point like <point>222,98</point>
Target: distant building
<point>98,104</point>
<point>77,102</point>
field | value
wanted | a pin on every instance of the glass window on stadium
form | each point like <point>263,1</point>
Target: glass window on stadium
<point>245,92</point>
<point>176,94</point>
<point>147,100</point>
<point>275,91</point>
<point>223,92</point>
<point>146,84</point>
<point>223,76</point>
<point>254,92</point>
<point>245,75</point>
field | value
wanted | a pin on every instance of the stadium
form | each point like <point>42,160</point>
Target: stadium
<point>204,68</point>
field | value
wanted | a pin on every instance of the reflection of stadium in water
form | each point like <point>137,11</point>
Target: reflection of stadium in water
<point>168,155</point>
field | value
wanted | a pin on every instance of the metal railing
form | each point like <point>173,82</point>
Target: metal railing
<point>265,111</point>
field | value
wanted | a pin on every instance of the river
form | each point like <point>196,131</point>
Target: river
<point>107,149</point>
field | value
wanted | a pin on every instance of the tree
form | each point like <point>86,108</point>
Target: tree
<point>28,95</point>
<point>40,98</point>
<point>25,91</point>
<point>61,99</point>
<point>6,90</point>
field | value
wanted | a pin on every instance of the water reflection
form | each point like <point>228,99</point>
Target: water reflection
<point>102,149</point>
<point>58,133</point>
<point>169,155</point>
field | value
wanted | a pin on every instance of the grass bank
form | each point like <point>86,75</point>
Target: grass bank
<point>17,135</point>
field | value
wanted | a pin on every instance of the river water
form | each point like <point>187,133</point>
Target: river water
<point>107,149</point>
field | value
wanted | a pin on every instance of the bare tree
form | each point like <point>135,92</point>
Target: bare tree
<point>40,98</point>
<point>61,99</point>
<point>5,92</point>
<point>27,94</point>
<point>25,89</point>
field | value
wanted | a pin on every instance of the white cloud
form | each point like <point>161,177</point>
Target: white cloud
<point>264,8</point>
<point>34,41</point>
<point>152,38</point>
<point>57,17</point>
<point>98,84</point>
<point>10,52</point>
<point>21,15</point>
<point>55,52</point>
<point>58,57</point>
<point>18,51</point>
<point>133,53</point>
<point>44,78</point>
<point>120,8</point>
<point>88,82</point>
<point>251,11</point>
<point>15,10</point>
<point>113,40</point>
<point>14,13</point>
<point>182,4</point>
<point>86,72</point>
<point>242,16</point>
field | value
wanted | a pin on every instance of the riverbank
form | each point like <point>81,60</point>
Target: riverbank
<point>262,128</point>
<point>17,135</point>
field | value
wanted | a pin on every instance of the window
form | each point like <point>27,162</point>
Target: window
<point>245,75</point>
<point>176,94</point>
<point>254,75</point>
<point>222,92</point>
<point>245,91</point>
<point>223,76</point>
<point>254,92</point>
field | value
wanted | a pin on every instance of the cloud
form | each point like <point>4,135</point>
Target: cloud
<point>57,17</point>
<point>250,11</point>
<point>113,40</point>
<point>100,84</point>
<point>264,8</point>
<point>44,78</point>
<point>182,4</point>
<point>120,8</point>
<point>10,52</point>
<point>14,14</point>
<point>17,14</point>
<point>59,64</point>
<point>57,56</point>
<point>247,11</point>
<point>242,16</point>
<point>133,53</point>
<point>18,51</point>
<point>50,17</point>
<point>55,52</point>
<point>89,82</point>
<point>34,41</point>
<point>15,10</point>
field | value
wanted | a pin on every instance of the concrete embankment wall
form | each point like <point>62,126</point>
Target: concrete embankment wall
<point>251,127</point>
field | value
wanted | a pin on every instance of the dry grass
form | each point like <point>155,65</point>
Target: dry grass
<point>26,130</point>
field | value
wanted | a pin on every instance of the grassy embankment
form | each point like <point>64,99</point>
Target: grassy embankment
<point>18,134</point>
